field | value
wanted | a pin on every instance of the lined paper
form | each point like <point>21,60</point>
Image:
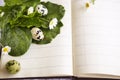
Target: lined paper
<point>96,37</point>
<point>54,59</point>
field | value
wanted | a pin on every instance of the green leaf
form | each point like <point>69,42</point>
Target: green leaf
<point>49,34</point>
<point>17,12</point>
<point>13,12</point>
<point>1,7</point>
<point>54,10</point>
<point>14,2</point>
<point>29,3</point>
<point>29,22</point>
<point>19,39</point>
<point>19,2</point>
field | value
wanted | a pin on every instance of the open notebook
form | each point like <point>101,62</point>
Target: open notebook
<point>88,45</point>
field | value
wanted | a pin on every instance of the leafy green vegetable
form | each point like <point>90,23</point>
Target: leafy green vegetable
<point>16,24</point>
<point>19,39</point>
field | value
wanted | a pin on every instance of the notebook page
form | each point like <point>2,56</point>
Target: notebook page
<point>96,37</point>
<point>54,59</point>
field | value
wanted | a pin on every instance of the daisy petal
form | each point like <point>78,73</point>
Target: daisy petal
<point>30,10</point>
<point>53,23</point>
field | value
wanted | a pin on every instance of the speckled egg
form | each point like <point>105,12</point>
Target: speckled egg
<point>42,9</point>
<point>37,34</point>
<point>13,66</point>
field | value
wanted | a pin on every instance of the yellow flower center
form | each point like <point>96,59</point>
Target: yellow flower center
<point>5,50</point>
<point>87,5</point>
<point>52,22</point>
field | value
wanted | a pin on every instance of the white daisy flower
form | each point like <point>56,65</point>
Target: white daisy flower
<point>42,9</point>
<point>6,50</point>
<point>2,14</point>
<point>30,10</point>
<point>37,34</point>
<point>85,3</point>
<point>53,23</point>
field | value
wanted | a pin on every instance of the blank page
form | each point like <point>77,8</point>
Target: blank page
<point>96,37</point>
<point>54,59</point>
